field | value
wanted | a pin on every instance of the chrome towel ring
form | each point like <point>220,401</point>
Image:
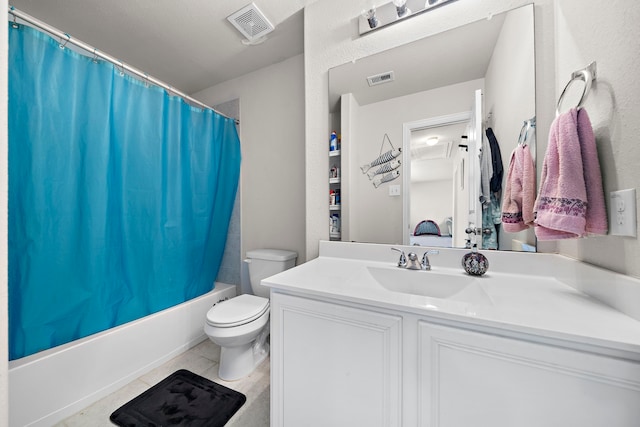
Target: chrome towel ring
<point>588,75</point>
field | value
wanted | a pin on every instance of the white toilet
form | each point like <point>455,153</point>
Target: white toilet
<point>240,325</point>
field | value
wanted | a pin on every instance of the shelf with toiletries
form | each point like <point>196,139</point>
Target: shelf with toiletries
<point>334,187</point>
<point>334,213</point>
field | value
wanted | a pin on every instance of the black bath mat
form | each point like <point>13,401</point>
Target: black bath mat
<point>181,399</point>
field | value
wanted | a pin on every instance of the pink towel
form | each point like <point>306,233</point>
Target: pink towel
<point>520,191</point>
<point>597,223</point>
<point>571,199</point>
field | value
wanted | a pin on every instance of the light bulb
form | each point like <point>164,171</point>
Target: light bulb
<point>370,16</point>
<point>401,8</point>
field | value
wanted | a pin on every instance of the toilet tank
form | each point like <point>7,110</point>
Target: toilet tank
<point>264,263</point>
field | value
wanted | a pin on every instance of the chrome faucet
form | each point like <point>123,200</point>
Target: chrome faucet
<point>410,260</point>
<point>426,264</point>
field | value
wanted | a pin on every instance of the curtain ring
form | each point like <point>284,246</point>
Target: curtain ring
<point>146,80</point>
<point>14,24</point>
<point>95,57</point>
<point>121,69</point>
<point>62,45</point>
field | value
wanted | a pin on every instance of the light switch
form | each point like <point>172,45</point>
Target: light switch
<point>622,213</point>
<point>394,190</point>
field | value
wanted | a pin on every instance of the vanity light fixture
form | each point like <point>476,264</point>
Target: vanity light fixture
<point>432,140</point>
<point>394,11</point>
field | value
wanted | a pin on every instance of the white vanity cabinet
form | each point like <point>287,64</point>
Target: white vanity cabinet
<point>336,364</point>
<point>333,365</point>
<point>475,379</point>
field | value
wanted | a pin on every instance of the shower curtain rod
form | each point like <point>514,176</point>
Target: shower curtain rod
<point>66,38</point>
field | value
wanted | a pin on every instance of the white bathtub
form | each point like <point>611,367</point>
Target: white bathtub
<point>47,387</point>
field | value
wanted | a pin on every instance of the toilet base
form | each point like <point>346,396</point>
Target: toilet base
<point>238,362</point>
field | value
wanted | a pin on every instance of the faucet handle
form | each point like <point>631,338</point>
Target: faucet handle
<point>426,264</point>
<point>402,262</point>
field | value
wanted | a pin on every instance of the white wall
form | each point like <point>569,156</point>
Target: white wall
<point>375,216</point>
<point>510,93</point>
<point>272,141</point>
<point>435,203</point>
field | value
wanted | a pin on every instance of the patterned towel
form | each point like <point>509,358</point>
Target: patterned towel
<point>570,203</point>
<point>520,191</point>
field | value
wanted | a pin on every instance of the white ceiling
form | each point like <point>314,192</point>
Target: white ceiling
<point>435,163</point>
<point>454,56</point>
<point>187,44</point>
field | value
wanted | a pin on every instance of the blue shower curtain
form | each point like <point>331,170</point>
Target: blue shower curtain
<point>120,195</point>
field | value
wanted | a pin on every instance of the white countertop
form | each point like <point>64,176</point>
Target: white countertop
<point>536,305</point>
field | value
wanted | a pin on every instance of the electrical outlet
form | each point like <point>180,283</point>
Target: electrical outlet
<point>622,213</point>
<point>394,190</point>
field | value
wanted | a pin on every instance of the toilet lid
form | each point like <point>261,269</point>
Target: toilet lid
<point>237,311</point>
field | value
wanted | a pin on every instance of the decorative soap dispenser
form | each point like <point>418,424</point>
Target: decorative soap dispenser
<point>474,263</point>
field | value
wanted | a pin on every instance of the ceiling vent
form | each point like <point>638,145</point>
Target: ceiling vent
<point>251,23</point>
<point>378,79</point>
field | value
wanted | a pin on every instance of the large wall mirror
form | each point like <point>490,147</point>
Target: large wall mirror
<point>423,97</point>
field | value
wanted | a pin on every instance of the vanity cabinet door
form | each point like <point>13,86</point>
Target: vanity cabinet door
<point>473,379</point>
<point>333,365</point>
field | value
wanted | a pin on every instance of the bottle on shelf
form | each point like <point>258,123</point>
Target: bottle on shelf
<point>333,141</point>
<point>334,224</point>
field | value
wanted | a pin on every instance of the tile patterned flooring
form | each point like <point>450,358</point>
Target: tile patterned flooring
<point>202,360</point>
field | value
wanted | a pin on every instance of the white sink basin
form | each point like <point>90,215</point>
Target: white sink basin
<point>418,282</point>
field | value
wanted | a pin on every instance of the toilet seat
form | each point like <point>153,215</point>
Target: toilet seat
<point>237,311</point>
